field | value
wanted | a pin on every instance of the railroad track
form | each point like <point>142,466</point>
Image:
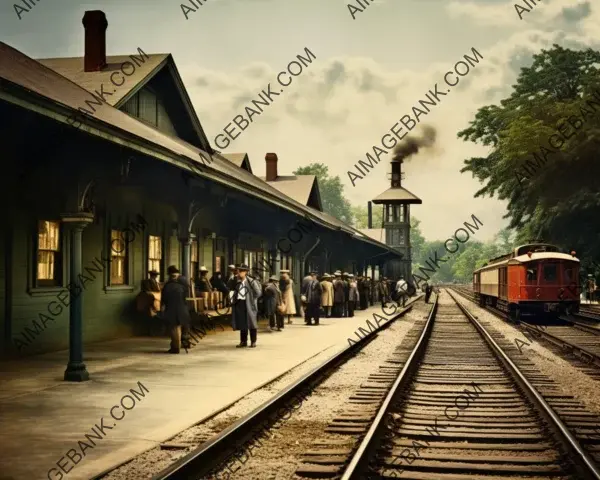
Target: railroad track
<point>469,406</point>
<point>206,460</point>
<point>577,339</point>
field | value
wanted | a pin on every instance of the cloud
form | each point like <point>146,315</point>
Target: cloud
<point>340,107</point>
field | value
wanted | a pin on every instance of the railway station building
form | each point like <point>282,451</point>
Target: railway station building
<point>108,174</point>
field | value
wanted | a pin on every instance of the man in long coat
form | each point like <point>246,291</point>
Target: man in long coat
<point>312,292</point>
<point>244,306</point>
<point>327,295</point>
<point>346,293</point>
<point>363,290</point>
<point>272,301</point>
<point>176,312</point>
<point>338,295</point>
<point>353,295</point>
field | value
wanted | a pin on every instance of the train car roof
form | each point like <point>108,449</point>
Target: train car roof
<point>535,256</point>
<point>544,256</point>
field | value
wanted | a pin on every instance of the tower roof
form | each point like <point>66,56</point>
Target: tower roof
<point>397,195</point>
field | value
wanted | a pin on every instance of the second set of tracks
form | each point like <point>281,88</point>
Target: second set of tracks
<point>454,402</point>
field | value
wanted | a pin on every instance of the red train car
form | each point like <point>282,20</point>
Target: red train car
<point>533,279</point>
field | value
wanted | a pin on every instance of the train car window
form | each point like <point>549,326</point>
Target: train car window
<point>532,274</point>
<point>550,272</point>
<point>568,274</point>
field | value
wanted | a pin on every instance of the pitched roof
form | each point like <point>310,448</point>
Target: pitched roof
<point>72,68</point>
<point>374,233</point>
<point>239,160</point>
<point>397,195</point>
<point>297,187</point>
<point>147,66</point>
<point>32,85</point>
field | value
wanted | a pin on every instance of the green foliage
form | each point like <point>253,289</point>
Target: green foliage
<point>559,201</point>
<point>458,266</point>
<point>360,216</point>
<point>332,191</point>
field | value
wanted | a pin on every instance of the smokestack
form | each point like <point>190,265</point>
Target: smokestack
<point>271,161</point>
<point>94,22</point>
<point>370,213</point>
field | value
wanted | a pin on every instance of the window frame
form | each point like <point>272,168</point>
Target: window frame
<point>161,261</point>
<point>118,224</point>
<point>60,282</point>
<point>115,254</point>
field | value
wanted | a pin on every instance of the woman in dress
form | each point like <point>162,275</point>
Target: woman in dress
<point>288,295</point>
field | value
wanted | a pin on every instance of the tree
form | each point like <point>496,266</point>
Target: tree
<point>332,191</point>
<point>544,140</point>
<point>360,215</point>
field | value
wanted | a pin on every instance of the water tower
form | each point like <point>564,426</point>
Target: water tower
<point>396,203</point>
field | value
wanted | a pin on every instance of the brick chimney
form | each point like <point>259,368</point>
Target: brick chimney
<point>94,22</point>
<point>271,160</point>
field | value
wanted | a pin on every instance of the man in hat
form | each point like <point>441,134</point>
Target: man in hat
<point>363,292</point>
<point>383,292</point>
<point>244,306</point>
<point>151,284</point>
<point>338,295</point>
<point>273,301</point>
<point>203,283</point>
<point>231,281</point>
<point>231,277</point>
<point>402,291</point>
<point>353,295</point>
<point>175,308</point>
<point>312,295</point>
<point>327,295</point>
<point>346,293</point>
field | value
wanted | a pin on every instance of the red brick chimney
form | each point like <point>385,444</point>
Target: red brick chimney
<point>94,22</point>
<point>271,160</point>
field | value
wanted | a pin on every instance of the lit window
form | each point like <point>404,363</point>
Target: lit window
<point>118,258</point>
<point>48,254</point>
<point>154,254</point>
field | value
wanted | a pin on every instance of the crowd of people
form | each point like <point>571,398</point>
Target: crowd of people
<point>338,295</point>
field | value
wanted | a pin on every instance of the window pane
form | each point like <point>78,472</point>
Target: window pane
<point>48,235</point>
<point>154,253</point>
<point>148,107</point>
<point>117,271</point>
<point>549,273</point>
<point>118,246</point>
<point>45,269</point>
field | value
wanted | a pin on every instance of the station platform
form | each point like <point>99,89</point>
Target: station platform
<point>42,417</point>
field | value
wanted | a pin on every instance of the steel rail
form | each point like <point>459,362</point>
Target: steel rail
<point>578,456</point>
<point>581,353</point>
<point>218,450</point>
<point>359,463</point>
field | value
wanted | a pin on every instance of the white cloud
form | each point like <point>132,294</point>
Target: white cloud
<point>339,108</point>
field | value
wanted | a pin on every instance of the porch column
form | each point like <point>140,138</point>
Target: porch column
<point>76,370</point>
<point>372,279</point>
<point>185,242</point>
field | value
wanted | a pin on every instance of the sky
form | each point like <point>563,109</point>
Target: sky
<point>369,71</point>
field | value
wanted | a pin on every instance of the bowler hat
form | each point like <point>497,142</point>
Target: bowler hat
<point>231,267</point>
<point>273,278</point>
<point>243,267</point>
<point>172,269</point>
<point>153,272</point>
<point>337,273</point>
<point>203,269</point>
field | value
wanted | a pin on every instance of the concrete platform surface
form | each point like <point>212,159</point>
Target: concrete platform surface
<point>152,395</point>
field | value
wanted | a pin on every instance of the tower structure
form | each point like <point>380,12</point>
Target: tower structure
<point>396,203</point>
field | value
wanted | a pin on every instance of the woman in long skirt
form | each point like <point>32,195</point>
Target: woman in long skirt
<point>288,295</point>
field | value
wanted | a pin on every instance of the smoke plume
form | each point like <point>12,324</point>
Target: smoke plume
<point>411,145</point>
